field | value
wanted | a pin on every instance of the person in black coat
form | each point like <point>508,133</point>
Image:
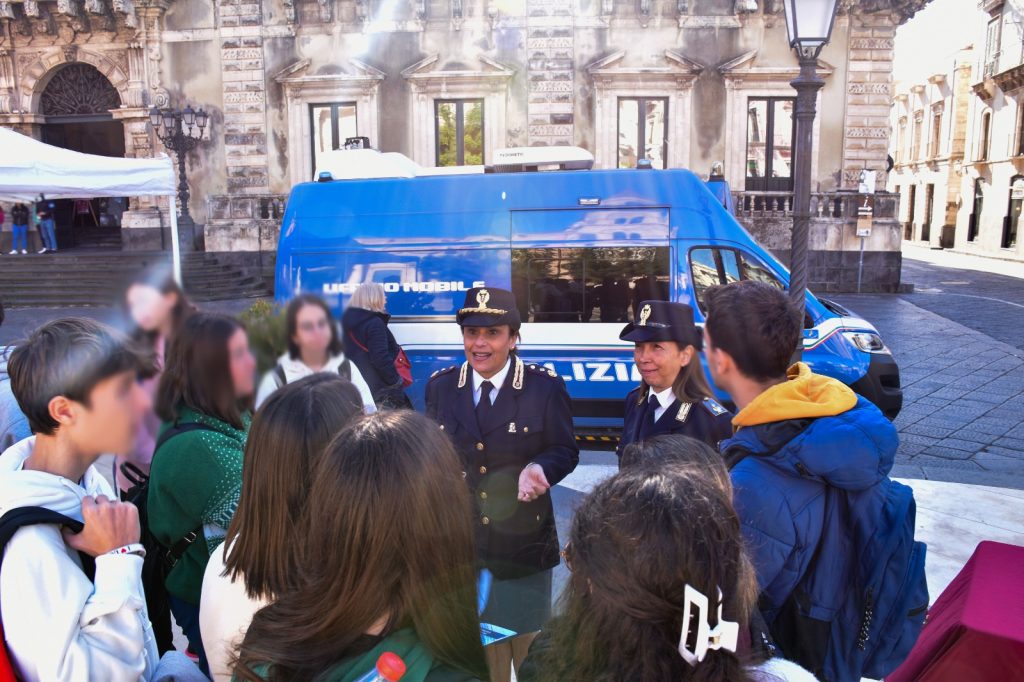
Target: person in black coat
<point>371,346</point>
<point>673,395</point>
<point>511,423</point>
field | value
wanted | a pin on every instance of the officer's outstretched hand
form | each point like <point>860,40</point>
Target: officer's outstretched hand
<point>532,483</point>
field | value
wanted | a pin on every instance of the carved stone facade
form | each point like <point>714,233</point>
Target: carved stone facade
<point>959,143</point>
<point>543,72</point>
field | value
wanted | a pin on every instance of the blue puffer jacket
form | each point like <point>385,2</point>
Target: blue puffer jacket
<point>780,484</point>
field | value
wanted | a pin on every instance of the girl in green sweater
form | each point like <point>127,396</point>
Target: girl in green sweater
<point>196,476</point>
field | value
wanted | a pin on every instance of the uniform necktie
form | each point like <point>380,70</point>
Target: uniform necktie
<point>483,407</point>
<point>653,404</point>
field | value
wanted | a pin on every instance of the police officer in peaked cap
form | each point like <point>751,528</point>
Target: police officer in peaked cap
<point>673,395</point>
<point>511,423</point>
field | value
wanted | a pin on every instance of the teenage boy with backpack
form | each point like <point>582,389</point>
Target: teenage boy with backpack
<point>831,535</point>
<point>72,605</point>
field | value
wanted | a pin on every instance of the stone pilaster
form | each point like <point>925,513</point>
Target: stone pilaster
<point>244,79</point>
<point>551,72</point>
<point>869,96</point>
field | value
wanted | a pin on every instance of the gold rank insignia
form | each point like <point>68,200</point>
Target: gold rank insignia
<point>645,314</point>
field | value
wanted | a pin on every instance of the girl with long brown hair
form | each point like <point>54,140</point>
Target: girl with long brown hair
<point>386,564</point>
<point>660,586</point>
<point>259,557</point>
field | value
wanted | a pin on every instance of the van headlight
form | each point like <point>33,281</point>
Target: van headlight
<point>866,341</point>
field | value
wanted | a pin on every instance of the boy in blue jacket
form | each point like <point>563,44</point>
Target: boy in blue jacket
<point>797,433</point>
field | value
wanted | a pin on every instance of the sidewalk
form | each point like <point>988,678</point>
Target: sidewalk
<point>962,261</point>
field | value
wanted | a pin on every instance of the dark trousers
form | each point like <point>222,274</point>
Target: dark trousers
<point>186,615</point>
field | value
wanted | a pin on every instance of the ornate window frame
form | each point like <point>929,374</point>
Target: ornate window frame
<point>673,80</point>
<point>745,79</point>
<point>427,84</point>
<point>301,90</point>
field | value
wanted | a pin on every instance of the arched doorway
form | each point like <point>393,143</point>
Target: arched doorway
<point>76,102</point>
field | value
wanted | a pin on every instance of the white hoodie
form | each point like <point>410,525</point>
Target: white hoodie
<point>59,625</point>
<point>295,369</point>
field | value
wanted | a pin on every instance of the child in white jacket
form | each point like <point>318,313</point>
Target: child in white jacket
<point>76,380</point>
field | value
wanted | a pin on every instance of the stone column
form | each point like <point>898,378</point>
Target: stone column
<point>869,96</point>
<point>144,227</point>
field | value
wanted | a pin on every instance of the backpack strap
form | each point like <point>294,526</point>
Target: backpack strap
<point>179,429</point>
<point>356,341</point>
<point>16,519</point>
<point>345,370</point>
<point>279,378</point>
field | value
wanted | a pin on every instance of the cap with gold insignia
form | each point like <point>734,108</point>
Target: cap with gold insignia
<point>663,321</point>
<point>488,307</point>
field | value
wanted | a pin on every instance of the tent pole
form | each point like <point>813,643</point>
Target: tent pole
<point>175,245</point>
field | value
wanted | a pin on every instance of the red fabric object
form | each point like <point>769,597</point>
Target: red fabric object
<point>975,629</point>
<point>6,665</point>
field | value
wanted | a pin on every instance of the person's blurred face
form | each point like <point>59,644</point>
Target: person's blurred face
<point>149,308</point>
<point>312,331</point>
<point>659,362</point>
<point>243,365</point>
<point>488,348</point>
<point>720,365</point>
<point>109,423</point>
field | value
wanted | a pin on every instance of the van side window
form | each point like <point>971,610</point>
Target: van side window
<point>587,284</point>
<point>710,266</point>
<point>753,269</point>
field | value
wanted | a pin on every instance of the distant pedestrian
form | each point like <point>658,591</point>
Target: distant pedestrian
<point>19,228</point>
<point>371,345</point>
<point>46,214</point>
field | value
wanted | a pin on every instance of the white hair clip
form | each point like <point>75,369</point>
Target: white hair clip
<point>724,635</point>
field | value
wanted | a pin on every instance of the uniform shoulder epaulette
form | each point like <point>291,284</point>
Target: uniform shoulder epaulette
<point>714,407</point>
<point>444,371</point>
<point>542,370</point>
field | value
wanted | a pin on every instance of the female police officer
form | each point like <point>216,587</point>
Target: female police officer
<point>512,426</point>
<point>673,396</point>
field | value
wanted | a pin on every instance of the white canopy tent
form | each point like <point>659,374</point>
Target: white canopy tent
<point>29,168</point>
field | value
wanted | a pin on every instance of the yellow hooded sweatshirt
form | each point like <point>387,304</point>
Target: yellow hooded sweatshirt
<point>804,395</point>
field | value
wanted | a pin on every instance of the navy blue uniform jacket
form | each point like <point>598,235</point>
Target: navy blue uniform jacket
<point>530,422</point>
<point>706,421</point>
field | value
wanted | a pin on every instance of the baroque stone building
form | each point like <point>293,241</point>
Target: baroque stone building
<point>683,83</point>
<point>959,143</point>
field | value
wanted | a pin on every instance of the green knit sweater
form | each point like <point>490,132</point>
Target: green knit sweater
<point>195,480</point>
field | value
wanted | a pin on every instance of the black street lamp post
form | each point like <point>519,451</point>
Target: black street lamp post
<point>809,25</point>
<point>180,131</point>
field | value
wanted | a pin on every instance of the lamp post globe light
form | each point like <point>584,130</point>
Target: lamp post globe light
<point>809,25</point>
<point>180,131</point>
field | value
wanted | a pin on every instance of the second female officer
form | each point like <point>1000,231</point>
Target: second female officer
<point>511,423</point>
<point>673,396</point>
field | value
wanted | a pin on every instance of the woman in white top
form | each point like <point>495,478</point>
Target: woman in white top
<point>314,345</point>
<point>288,436</point>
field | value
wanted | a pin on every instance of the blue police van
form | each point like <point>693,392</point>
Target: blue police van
<point>578,247</point>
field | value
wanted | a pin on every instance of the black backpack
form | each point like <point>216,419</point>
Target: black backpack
<point>159,559</point>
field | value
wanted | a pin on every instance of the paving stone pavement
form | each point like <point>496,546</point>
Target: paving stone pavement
<point>963,412</point>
